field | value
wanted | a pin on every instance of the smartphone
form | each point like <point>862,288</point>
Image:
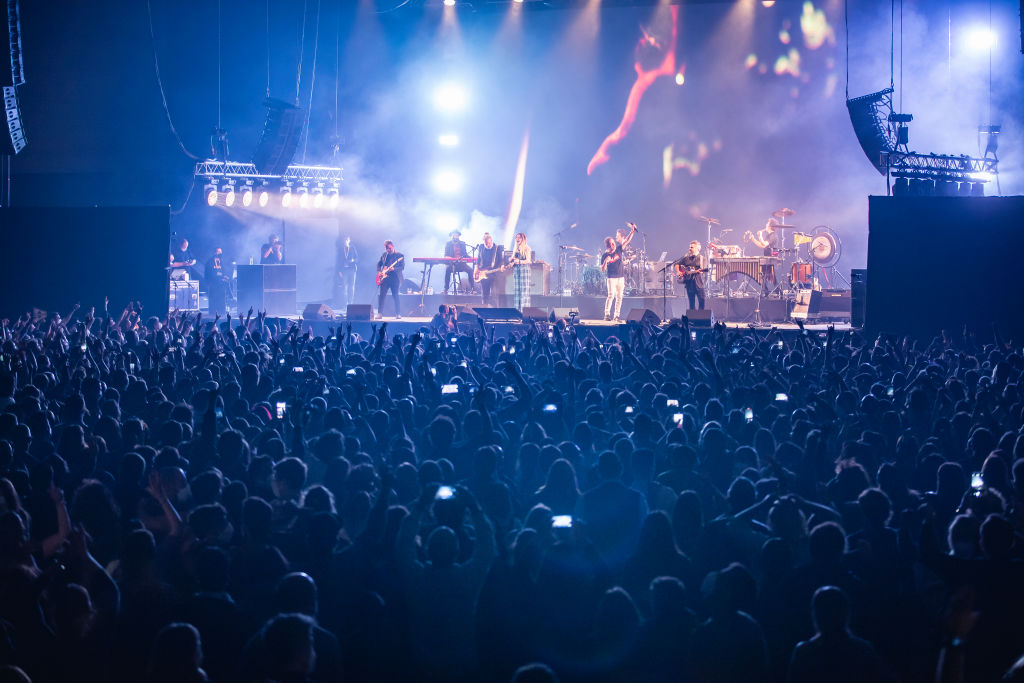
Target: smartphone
<point>509,390</point>
<point>84,347</point>
<point>550,408</point>
<point>779,397</point>
<point>890,391</point>
<point>220,355</point>
<point>749,415</point>
<point>444,493</point>
<point>735,349</point>
<point>452,339</point>
<point>282,408</point>
<point>512,350</point>
<point>551,335</point>
<point>131,366</point>
<point>463,364</point>
<point>219,412</point>
<point>672,403</point>
<point>561,522</point>
<point>433,371</point>
<point>298,369</point>
<point>977,483</point>
<point>449,388</point>
<point>351,372</point>
<point>678,419</point>
<point>628,410</point>
<point>778,344</point>
<point>693,336</point>
<point>280,361</point>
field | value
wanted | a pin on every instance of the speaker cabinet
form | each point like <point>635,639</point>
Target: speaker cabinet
<point>808,301</point>
<point>534,313</point>
<point>317,312</point>
<point>498,315</point>
<point>14,141</point>
<point>359,312</point>
<point>643,315</point>
<point>281,132</point>
<point>700,318</point>
<point>269,288</point>
<point>858,296</point>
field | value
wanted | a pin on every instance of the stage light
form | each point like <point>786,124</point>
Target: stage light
<point>229,196</point>
<point>982,39</point>
<point>448,181</point>
<point>333,199</point>
<point>767,3</point>
<point>518,2</point>
<point>264,198</point>
<point>449,3</point>
<point>448,140</point>
<point>982,177</point>
<point>303,197</point>
<point>247,195</point>
<point>450,98</point>
<point>286,196</point>
<point>318,197</point>
<point>211,194</point>
<point>680,78</point>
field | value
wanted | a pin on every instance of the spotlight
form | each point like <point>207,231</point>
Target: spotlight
<point>333,198</point>
<point>318,198</point>
<point>680,78</point>
<point>767,3</point>
<point>211,194</point>
<point>264,198</point>
<point>286,196</point>
<point>247,195</point>
<point>448,140</point>
<point>448,181</point>
<point>229,196</point>
<point>449,3</point>
<point>450,98</point>
<point>303,198</point>
<point>982,39</point>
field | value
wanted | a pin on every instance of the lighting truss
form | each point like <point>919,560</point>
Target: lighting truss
<point>242,174</point>
<point>940,166</point>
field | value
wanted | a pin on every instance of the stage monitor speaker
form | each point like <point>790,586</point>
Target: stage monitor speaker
<point>499,315</point>
<point>643,315</point>
<point>807,304</point>
<point>534,313</point>
<point>858,296</point>
<point>835,303</point>
<point>700,317</point>
<point>359,312</point>
<point>317,312</point>
<point>281,132</point>
<point>467,315</point>
<point>563,313</point>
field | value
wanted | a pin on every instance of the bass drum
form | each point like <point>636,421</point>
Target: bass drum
<point>595,282</point>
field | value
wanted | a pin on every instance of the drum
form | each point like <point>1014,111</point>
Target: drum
<point>595,282</point>
<point>800,274</point>
<point>630,256</point>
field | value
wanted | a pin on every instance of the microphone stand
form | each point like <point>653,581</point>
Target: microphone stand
<point>664,287</point>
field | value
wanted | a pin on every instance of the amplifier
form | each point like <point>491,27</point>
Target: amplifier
<point>184,295</point>
<point>834,303</point>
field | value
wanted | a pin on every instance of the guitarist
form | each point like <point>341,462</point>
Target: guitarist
<point>488,259</point>
<point>690,269</point>
<point>390,267</point>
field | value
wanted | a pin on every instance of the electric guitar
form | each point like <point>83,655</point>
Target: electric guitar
<point>479,275</point>
<point>383,273</point>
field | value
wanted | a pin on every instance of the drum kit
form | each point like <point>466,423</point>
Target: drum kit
<point>807,254</point>
<point>582,274</point>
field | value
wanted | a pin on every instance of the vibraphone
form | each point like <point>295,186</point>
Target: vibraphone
<point>751,266</point>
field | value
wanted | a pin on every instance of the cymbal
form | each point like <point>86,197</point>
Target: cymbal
<point>571,247</point>
<point>783,213</point>
<point>712,221</point>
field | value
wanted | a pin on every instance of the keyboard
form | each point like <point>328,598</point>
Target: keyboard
<point>442,260</point>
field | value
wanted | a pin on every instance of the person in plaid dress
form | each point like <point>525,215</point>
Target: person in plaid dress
<point>522,257</point>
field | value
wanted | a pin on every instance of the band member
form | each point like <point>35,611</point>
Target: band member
<point>520,260</point>
<point>347,259</point>
<point>182,262</point>
<point>456,248</point>
<point>690,267</point>
<point>623,237</point>
<point>390,266</point>
<point>488,258</point>
<point>273,251</point>
<point>768,239</point>
<point>217,282</point>
<point>611,263</point>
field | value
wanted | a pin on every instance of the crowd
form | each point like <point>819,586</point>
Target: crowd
<point>240,500</point>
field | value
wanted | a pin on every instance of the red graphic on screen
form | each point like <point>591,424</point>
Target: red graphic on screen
<point>647,48</point>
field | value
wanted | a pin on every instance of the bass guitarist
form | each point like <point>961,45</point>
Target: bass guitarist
<point>488,264</point>
<point>390,268</point>
<point>690,270</point>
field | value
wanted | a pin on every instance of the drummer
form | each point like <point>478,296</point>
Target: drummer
<point>768,239</point>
